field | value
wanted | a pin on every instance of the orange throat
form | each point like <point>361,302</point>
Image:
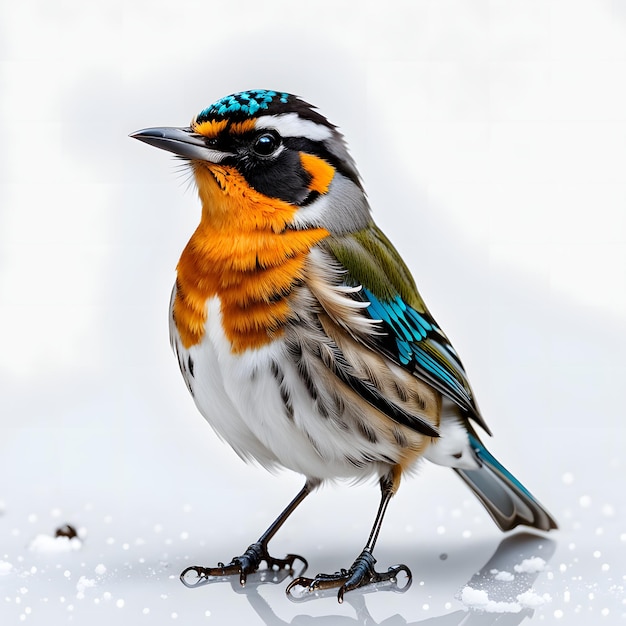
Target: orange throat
<point>244,253</point>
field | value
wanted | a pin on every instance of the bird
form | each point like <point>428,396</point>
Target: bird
<point>301,334</point>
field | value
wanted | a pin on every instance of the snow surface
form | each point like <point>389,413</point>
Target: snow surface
<point>502,576</point>
<point>478,599</point>
<point>530,566</point>
<point>46,544</point>
<point>490,137</point>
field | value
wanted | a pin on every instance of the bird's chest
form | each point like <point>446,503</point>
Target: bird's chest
<point>235,295</point>
<point>253,275</point>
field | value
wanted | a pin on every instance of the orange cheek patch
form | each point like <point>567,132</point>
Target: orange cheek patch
<point>321,172</point>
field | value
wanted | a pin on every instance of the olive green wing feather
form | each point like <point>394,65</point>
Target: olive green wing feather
<point>408,334</point>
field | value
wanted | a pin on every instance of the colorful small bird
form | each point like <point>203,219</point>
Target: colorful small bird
<point>301,334</point>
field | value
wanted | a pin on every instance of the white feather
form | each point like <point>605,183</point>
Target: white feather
<point>292,125</point>
<point>452,448</point>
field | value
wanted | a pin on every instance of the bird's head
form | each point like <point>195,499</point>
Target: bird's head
<point>261,152</point>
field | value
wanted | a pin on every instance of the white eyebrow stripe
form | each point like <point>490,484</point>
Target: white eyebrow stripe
<point>292,125</point>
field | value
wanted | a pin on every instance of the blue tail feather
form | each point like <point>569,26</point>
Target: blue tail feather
<point>508,502</point>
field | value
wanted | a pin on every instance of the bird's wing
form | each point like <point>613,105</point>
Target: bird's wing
<point>405,333</point>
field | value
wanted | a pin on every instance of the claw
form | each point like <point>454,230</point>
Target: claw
<point>244,565</point>
<point>202,576</point>
<point>362,574</point>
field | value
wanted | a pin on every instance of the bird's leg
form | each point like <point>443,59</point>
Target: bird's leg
<point>361,572</point>
<point>250,561</point>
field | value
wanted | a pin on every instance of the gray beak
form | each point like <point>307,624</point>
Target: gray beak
<point>182,142</point>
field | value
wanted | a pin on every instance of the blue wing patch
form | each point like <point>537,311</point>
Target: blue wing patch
<point>415,342</point>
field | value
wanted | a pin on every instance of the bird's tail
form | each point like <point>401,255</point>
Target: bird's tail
<point>508,502</point>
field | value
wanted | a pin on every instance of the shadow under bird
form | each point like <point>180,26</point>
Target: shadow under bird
<point>301,334</point>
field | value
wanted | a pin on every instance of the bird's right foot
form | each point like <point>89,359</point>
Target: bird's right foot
<point>248,563</point>
<point>362,574</point>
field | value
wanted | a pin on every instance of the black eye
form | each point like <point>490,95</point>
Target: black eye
<point>266,144</point>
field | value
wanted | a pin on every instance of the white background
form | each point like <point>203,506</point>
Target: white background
<point>491,136</point>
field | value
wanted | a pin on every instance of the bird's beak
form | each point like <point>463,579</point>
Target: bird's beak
<point>182,142</point>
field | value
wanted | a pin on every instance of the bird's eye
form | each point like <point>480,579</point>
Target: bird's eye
<point>266,144</point>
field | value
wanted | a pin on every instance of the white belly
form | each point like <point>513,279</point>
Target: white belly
<point>240,396</point>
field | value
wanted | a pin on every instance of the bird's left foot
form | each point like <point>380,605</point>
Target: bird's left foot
<point>244,565</point>
<point>361,574</point>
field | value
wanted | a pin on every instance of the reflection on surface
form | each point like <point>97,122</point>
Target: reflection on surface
<point>502,592</point>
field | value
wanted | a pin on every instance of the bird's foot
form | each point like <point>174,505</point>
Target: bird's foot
<point>361,574</point>
<point>248,563</point>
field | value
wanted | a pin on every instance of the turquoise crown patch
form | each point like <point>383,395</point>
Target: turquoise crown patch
<point>244,103</point>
